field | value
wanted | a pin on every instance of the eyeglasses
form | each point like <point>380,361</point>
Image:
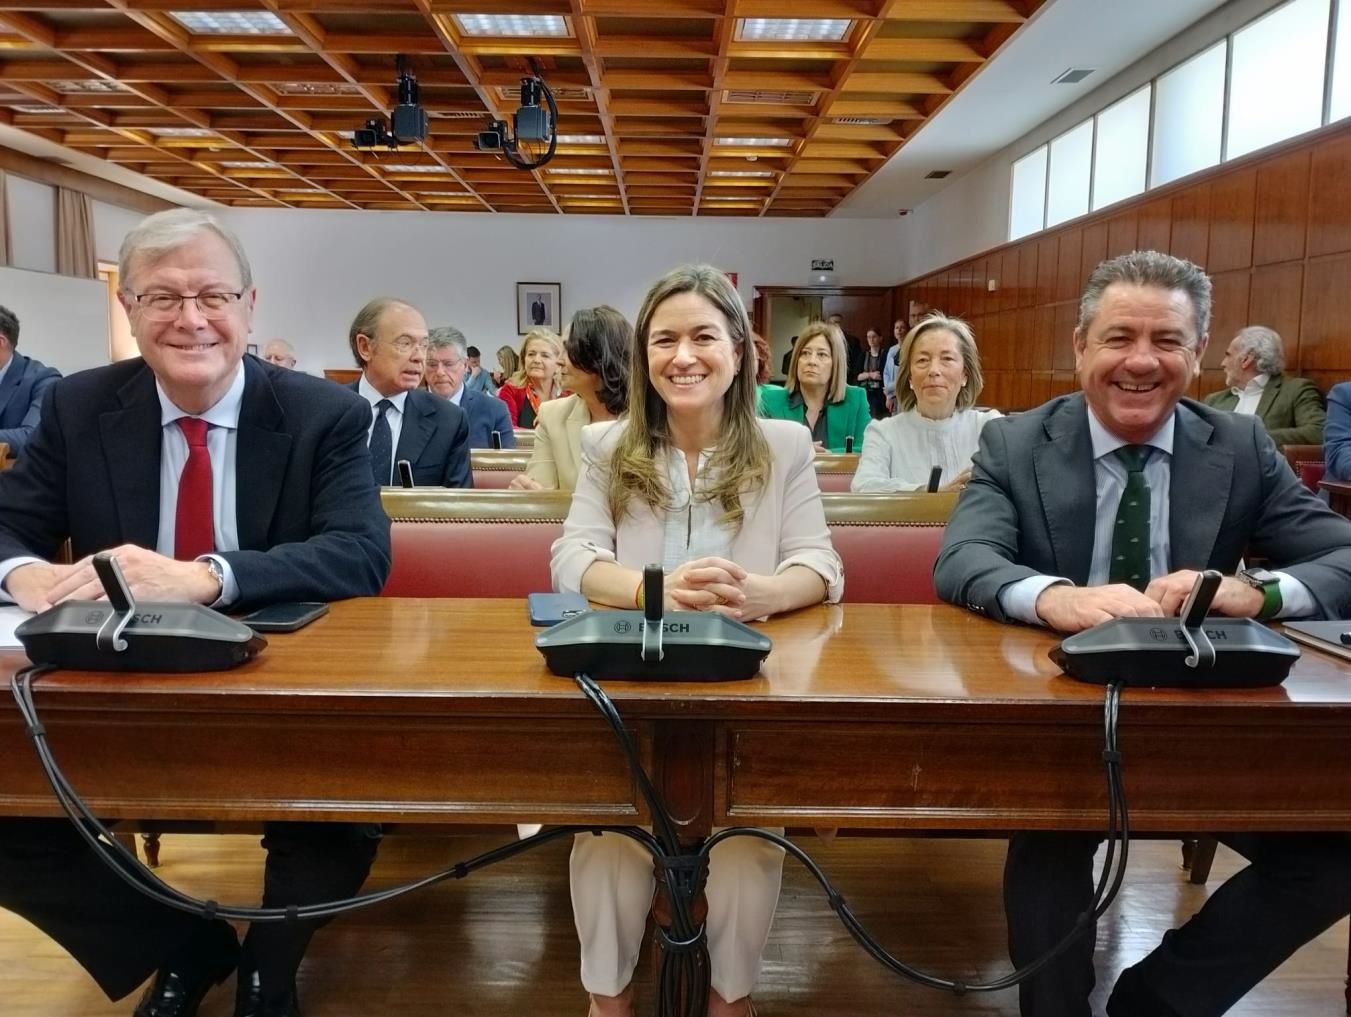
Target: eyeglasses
<point>444,365</point>
<point>167,306</point>
<point>406,344</point>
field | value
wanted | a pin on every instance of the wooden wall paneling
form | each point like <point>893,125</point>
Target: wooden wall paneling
<point>1029,354</point>
<point>1068,284</point>
<point>1232,209</point>
<point>956,290</point>
<point>1043,338</point>
<point>1094,252</point>
<point>1274,301</point>
<point>1062,338</point>
<point>1027,275</point>
<point>1008,280</point>
<point>1281,219</point>
<point>1155,225</point>
<point>994,346</point>
<point>1122,234</point>
<point>1228,313</point>
<point>1324,380</point>
<point>1191,224</point>
<point>1325,321</point>
<point>1330,198</point>
<point>1048,253</point>
<point>1040,387</point>
<point>1062,383</point>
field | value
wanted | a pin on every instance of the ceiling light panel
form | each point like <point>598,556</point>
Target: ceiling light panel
<point>88,85</point>
<point>581,139</point>
<point>244,164</point>
<point>419,168</point>
<point>577,172</point>
<point>540,26</point>
<point>307,88</point>
<point>757,142</point>
<point>182,132</point>
<point>792,29</point>
<point>231,22</point>
<point>740,173</point>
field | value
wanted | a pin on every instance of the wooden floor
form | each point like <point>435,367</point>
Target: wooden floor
<point>502,941</point>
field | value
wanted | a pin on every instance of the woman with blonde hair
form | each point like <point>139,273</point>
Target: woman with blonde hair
<point>817,394</point>
<point>938,378</point>
<point>728,504</point>
<point>535,381</point>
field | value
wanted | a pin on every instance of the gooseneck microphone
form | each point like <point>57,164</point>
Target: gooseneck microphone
<point>935,475</point>
<point>654,603</point>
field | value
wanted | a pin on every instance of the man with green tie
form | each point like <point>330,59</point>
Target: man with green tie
<point>1290,408</point>
<point>1105,504</point>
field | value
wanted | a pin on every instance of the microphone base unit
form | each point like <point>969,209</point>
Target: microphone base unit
<point>159,638</point>
<point>694,646</point>
<point>1155,653</point>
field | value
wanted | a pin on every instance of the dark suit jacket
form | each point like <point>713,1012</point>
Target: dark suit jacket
<point>486,414</point>
<point>21,392</point>
<point>1291,409</point>
<point>1032,496</point>
<point>434,438</point>
<point>310,522</point>
<point>1337,432</point>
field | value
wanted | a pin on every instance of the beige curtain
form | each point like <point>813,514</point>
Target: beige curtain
<point>75,234</point>
<point>4,220</point>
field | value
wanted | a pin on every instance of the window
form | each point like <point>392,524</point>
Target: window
<point>1121,150</point>
<point>1276,81</point>
<point>1071,168</point>
<point>1341,65</point>
<point>1188,117</point>
<point>1027,207</point>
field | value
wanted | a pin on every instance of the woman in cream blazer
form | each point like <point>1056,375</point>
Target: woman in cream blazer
<point>595,368</point>
<point>729,505</point>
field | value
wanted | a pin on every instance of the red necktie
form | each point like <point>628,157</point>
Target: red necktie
<point>194,527</point>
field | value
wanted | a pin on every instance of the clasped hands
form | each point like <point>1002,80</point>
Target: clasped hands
<point>1074,608</point>
<point>716,584</point>
<point>150,576</point>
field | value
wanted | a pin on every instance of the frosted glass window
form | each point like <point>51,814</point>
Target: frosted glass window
<point>1027,211</point>
<point>1276,84</point>
<point>1189,117</point>
<point>1071,167</point>
<point>1122,149</point>
<point>1341,66</point>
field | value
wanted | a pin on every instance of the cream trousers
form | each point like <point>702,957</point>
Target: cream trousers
<point>612,887</point>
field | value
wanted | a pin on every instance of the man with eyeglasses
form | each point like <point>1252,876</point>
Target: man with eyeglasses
<point>217,479</point>
<point>446,367</point>
<point>389,342</point>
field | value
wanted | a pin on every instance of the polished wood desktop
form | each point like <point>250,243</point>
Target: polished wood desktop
<point>895,717</point>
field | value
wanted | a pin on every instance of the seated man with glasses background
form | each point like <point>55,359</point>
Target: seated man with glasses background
<point>389,343</point>
<point>447,364</point>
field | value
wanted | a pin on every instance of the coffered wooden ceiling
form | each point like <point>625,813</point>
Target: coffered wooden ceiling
<point>668,107</point>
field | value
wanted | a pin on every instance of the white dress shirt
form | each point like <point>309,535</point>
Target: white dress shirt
<point>221,440</point>
<point>395,416</point>
<point>899,452</point>
<point>1019,600</point>
<point>1250,394</point>
<point>459,395</point>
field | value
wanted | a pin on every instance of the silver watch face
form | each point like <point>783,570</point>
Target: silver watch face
<point>1260,577</point>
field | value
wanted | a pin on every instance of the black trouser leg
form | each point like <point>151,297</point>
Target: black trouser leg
<point>52,878</point>
<point>1296,887</point>
<point>1048,884</point>
<point>877,403</point>
<point>307,863</point>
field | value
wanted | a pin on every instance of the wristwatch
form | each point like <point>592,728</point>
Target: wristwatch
<point>217,573</point>
<point>1270,586</point>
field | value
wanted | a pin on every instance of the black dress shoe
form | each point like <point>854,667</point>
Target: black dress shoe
<point>178,988</point>
<point>250,1001</point>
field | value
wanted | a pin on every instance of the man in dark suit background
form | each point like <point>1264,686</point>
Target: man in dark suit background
<point>219,480</point>
<point>23,383</point>
<point>389,342</point>
<point>538,313</point>
<point>1196,488</point>
<point>447,362</point>
<point>1254,366</point>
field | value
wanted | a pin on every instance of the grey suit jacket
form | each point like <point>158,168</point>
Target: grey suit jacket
<point>1032,497</point>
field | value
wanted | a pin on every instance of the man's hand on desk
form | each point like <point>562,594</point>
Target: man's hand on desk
<point>1234,597</point>
<point>1068,608</point>
<point>150,576</point>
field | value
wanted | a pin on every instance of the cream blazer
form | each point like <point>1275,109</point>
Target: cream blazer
<point>558,443</point>
<point>785,522</point>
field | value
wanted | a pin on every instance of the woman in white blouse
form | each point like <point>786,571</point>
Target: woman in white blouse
<point>937,382</point>
<point>729,504</point>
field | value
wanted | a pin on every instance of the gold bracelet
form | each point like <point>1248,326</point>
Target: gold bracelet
<point>638,594</point>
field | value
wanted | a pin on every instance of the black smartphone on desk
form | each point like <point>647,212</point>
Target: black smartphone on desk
<point>552,608</point>
<point>284,617</point>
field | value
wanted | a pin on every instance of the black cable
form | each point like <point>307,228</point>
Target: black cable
<point>509,149</point>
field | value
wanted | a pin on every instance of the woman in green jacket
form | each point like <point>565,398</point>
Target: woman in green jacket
<point>816,394</point>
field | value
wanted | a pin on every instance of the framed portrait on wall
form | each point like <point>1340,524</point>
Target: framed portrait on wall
<point>539,305</point>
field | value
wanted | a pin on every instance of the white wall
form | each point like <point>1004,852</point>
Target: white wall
<point>972,215</point>
<point>314,269</point>
<point>63,321</point>
<point>111,224</point>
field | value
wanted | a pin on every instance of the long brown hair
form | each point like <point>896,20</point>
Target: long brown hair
<point>741,462</point>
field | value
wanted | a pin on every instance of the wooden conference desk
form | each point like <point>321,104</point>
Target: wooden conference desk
<point>900,717</point>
